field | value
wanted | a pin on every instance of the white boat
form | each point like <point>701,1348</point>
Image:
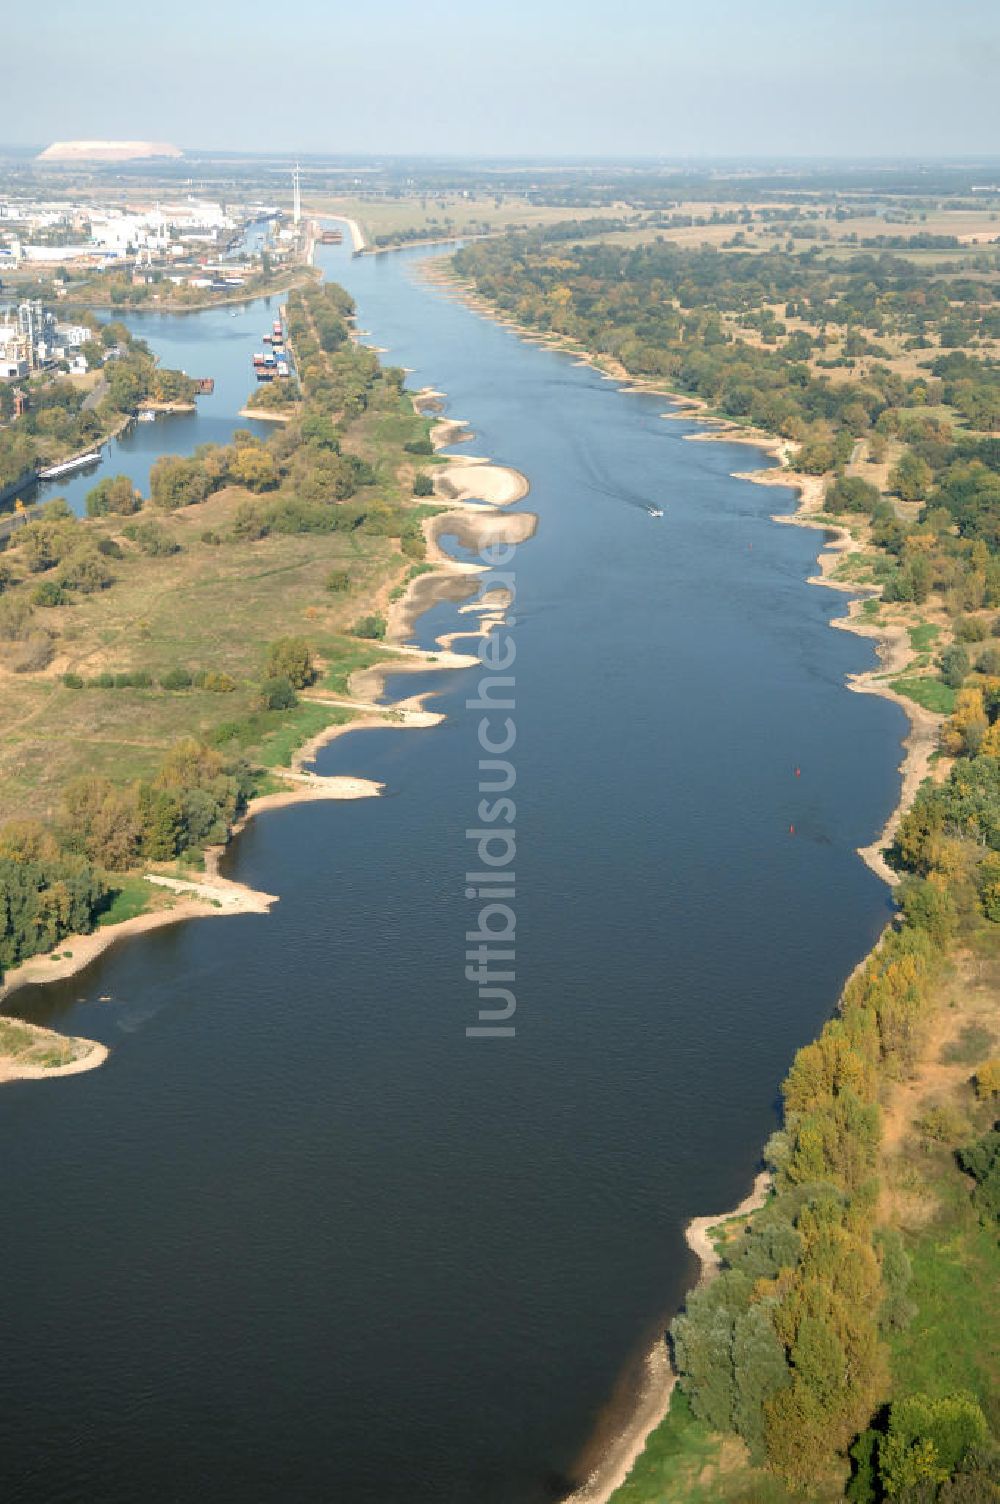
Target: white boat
<point>655,511</point>
<point>145,416</point>
<point>54,471</point>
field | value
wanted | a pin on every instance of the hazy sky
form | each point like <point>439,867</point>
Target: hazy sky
<point>532,77</point>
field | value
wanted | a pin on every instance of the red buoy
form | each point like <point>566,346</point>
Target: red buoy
<point>791,830</point>
<point>798,772</point>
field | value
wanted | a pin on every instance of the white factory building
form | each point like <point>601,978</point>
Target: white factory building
<point>30,338</point>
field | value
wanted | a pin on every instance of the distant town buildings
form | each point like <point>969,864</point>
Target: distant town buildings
<point>171,233</point>
<point>193,242</point>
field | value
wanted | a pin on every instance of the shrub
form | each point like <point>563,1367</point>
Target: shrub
<point>175,678</point>
<point>423,485</point>
<point>927,1440</point>
<point>981,1160</point>
<point>151,539</point>
<point>912,477</point>
<point>419,446</point>
<point>943,1123</point>
<point>290,658</point>
<point>48,593</point>
<point>214,681</point>
<point>15,619</point>
<point>928,904</point>
<point>277,694</point>
<point>85,571</point>
<point>987,1080</point>
<point>971,629</point>
<point>250,523</point>
<point>849,493</point>
<point>176,482</point>
<point>338,580</point>
<point>815,457</point>
<point>42,543</point>
<point>113,494</point>
<point>954,666</point>
<point>72,681</point>
<point>371,627</point>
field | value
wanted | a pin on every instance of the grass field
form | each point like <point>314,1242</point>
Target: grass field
<point>128,897</point>
<point>686,1463</point>
<point>923,636</point>
<point>930,693</point>
<point>211,607</point>
<point>953,1342</point>
<point>451,214</point>
<point>37,1047</point>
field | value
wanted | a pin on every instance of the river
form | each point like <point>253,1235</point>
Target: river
<point>217,342</point>
<point>301,1238</point>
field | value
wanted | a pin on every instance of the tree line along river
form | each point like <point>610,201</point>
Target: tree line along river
<point>301,1237</point>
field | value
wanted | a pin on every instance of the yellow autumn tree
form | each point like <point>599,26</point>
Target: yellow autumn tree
<point>965,730</point>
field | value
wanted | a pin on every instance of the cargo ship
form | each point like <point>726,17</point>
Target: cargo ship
<point>272,362</point>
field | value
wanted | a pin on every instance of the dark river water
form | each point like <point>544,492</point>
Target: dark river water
<point>301,1238</point>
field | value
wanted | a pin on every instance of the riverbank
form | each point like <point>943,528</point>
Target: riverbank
<point>265,415</point>
<point>358,241</point>
<point>649,1401</point>
<point>192,898</point>
<point>216,896</point>
<point>239,296</point>
<point>43,1054</point>
<point>891,642</point>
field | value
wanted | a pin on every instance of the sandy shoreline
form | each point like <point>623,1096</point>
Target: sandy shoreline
<point>473,479</point>
<point>93,1056</point>
<point>212,895</point>
<point>264,415</point>
<point>890,642</point>
<point>652,1401</point>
